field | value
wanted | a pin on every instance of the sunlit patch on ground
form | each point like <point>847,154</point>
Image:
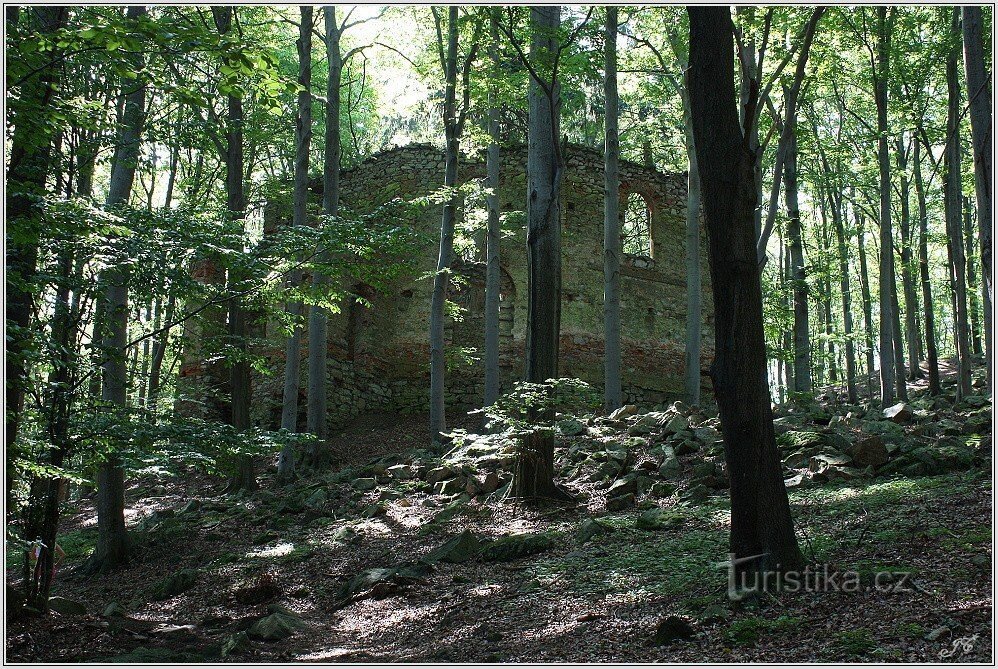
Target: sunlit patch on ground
<point>279,550</point>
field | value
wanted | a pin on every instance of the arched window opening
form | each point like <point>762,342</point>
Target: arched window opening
<point>635,230</point>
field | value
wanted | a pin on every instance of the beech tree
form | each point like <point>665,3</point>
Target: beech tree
<point>112,549</point>
<point>761,526</point>
<point>303,141</point>
<point>612,397</point>
<point>979,101</point>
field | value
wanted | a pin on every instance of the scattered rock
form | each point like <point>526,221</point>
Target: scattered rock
<point>175,584</point>
<point>715,613</point>
<point>275,627</point>
<point>458,549</point>
<point>491,483</point>
<point>517,546</point>
<point>193,506</point>
<point>317,500</point>
<point>449,487</point>
<point>115,610</point>
<point>675,425</point>
<point>620,503</point>
<point>400,472</point>
<point>590,528</point>
<point>868,451</point>
<point>671,629</point>
<point>670,467</point>
<point>899,413</point>
<point>685,447</point>
<point>621,487</point>
<point>571,427</point>
<point>365,484</point>
<point>623,412</point>
<point>236,644</point>
<point>67,607</point>
<point>696,494</point>
<point>658,519</point>
<point>662,489</point>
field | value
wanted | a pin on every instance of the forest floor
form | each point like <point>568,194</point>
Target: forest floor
<point>401,555</point>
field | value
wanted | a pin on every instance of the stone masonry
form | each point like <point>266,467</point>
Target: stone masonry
<point>379,354</point>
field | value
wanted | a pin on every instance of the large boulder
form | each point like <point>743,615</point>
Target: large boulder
<point>868,451</point>
<point>175,584</point>
<point>458,549</point>
<point>517,546</point>
<point>67,607</point>
<point>899,413</point>
<point>590,528</point>
<point>621,487</point>
<point>278,625</point>
<point>621,502</point>
<point>658,519</point>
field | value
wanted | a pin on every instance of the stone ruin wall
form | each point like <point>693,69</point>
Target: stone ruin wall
<point>379,355</point>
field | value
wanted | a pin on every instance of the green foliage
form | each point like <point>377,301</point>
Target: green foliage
<point>525,406</point>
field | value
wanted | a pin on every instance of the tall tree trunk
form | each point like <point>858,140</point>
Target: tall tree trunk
<point>43,509</point>
<point>802,339</point>
<point>112,549</point>
<point>788,338</point>
<point>844,287</point>
<point>28,167</point>
<point>493,234</point>
<point>235,203</point>
<point>928,308</point>
<point>900,375</point>
<point>968,246</point>
<point>954,216</point>
<point>762,532</point>
<point>887,315</point>
<point>317,318</point>
<point>907,282</point>
<point>438,363</point>
<point>979,97</point>
<point>612,396</point>
<point>864,285</point>
<point>159,354</point>
<point>533,475</point>
<point>303,140</point>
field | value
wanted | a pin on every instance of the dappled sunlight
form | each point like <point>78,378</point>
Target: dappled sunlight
<point>284,548</point>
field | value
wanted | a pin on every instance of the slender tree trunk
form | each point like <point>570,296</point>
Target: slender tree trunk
<point>907,282</point>
<point>146,348</point>
<point>801,329</point>
<point>235,202</point>
<point>303,140</point>
<point>43,508</point>
<point>438,364</point>
<point>844,287</point>
<point>788,340</point>
<point>533,475</point>
<point>761,526</point>
<point>864,284</point>
<point>493,234</point>
<point>900,375</point>
<point>318,319</point>
<point>887,315</point>
<point>968,245</point>
<point>30,152</point>
<point>979,97</point>
<point>612,396</point>
<point>112,548</point>
<point>954,218</point>
<point>159,354</point>
<point>929,319</point>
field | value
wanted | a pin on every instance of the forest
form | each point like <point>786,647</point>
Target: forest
<point>493,334</point>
